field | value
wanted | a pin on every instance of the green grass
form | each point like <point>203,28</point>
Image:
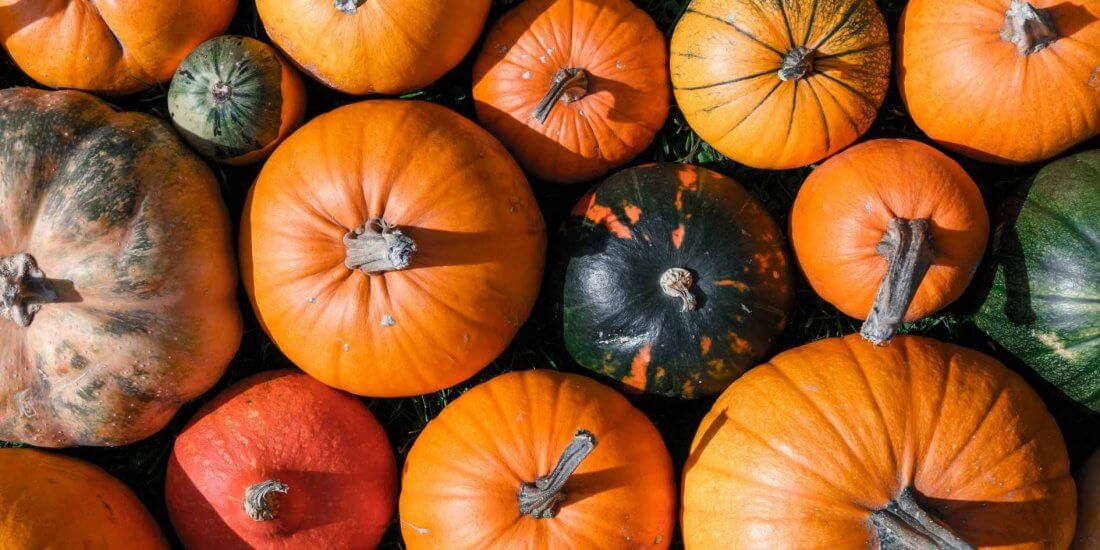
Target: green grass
<point>142,464</point>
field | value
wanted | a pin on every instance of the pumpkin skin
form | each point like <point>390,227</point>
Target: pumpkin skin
<point>859,424</point>
<point>1088,515</point>
<point>1041,305</point>
<point>326,448</point>
<point>110,47</point>
<point>976,93</point>
<point>374,46</point>
<point>590,129</point>
<point>844,210</point>
<point>461,478</point>
<point>241,117</point>
<point>780,84</point>
<point>480,246</point>
<point>53,501</point>
<point>644,222</point>
<point>132,309</point>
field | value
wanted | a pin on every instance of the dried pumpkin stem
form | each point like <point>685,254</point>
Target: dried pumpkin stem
<point>262,500</point>
<point>24,288</point>
<point>796,64</point>
<point>377,247</point>
<point>907,248</point>
<point>221,92</point>
<point>676,282</point>
<point>1029,28</point>
<point>348,6</point>
<point>567,86</point>
<point>904,525</point>
<point>540,499</point>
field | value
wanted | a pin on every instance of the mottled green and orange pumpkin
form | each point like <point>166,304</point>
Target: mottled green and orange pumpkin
<point>118,282</point>
<point>674,280</point>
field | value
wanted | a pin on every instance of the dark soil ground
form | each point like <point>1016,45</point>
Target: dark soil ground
<point>142,465</point>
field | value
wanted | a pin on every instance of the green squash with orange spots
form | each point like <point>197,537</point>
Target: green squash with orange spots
<point>674,280</point>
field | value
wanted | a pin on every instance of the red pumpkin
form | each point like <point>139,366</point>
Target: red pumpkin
<point>281,461</point>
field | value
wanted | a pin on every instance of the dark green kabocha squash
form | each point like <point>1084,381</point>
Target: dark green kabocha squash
<point>1044,302</point>
<point>674,280</point>
<point>234,99</point>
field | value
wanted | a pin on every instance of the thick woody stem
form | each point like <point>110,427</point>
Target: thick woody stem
<point>907,248</point>
<point>348,6</point>
<point>676,282</point>
<point>904,525</point>
<point>377,247</point>
<point>540,499</point>
<point>567,86</point>
<point>796,64</point>
<point>262,500</point>
<point>23,289</point>
<point>1029,28</point>
<point>221,92</point>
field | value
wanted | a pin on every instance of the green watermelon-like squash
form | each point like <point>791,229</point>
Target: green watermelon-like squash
<point>1044,303</point>
<point>234,99</point>
<point>675,280</point>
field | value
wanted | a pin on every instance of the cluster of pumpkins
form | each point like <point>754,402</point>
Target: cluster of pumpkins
<point>393,248</point>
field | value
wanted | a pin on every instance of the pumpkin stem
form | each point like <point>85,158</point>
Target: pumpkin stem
<point>1029,28</point>
<point>676,282</point>
<point>348,6</point>
<point>262,500</point>
<point>904,525</point>
<point>907,247</point>
<point>567,86</point>
<point>541,498</point>
<point>796,64</point>
<point>377,247</point>
<point>221,92</point>
<point>24,289</point>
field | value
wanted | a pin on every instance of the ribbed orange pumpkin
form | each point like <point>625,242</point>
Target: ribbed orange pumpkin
<point>574,88</point>
<point>780,84</point>
<point>839,444</point>
<point>111,47</point>
<point>889,231</point>
<point>1006,81</point>
<point>392,248</point>
<point>1088,512</point>
<point>538,459</point>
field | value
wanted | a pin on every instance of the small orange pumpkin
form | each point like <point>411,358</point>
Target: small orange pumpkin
<point>574,88</point>
<point>890,230</point>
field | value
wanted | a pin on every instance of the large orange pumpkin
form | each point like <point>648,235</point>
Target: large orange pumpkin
<point>839,444</point>
<point>374,46</point>
<point>889,231</point>
<point>1088,513</point>
<point>392,248</point>
<point>281,461</point>
<point>538,459</point>
<point>780,84</point>
<point>53,501</point>
<point>574,88</point>
<point>111,47</point>
<point>1004,81</point>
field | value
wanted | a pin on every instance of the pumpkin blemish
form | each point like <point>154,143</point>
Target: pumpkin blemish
<point>704,344</point>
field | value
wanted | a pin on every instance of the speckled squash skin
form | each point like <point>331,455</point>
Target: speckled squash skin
<point>132,240</point>
<point>1044,302</point>
<point>634,227</point>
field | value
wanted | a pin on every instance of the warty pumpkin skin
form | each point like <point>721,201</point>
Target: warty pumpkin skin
<point>53,501</point>
<point>281,461</point>
<point>780,83</point>
<point>538,459</point>
<point>841,444</point>
<point>1003,81</point>
<point>234,99</point>
<point>890,230</point>
<point>1044,301</point>
<point>392,248</point>
<point>118,277</point>
<point>574,88</point>
<point>675,280</point>
<point>374,46</point>
<point>1088,513</point>
<point>111,47</point>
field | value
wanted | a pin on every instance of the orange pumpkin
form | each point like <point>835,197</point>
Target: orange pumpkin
<point>53,501</point>
<point>374,46</point>
<point>538,459</point>
<point>780,84</point>
<point>391,248</point>
<point>111,47</point>
<point>1088,513</point>
<point>839,444</point>
<point>1005,81</point>
<point>890,230</point>
<point>574,88</point>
